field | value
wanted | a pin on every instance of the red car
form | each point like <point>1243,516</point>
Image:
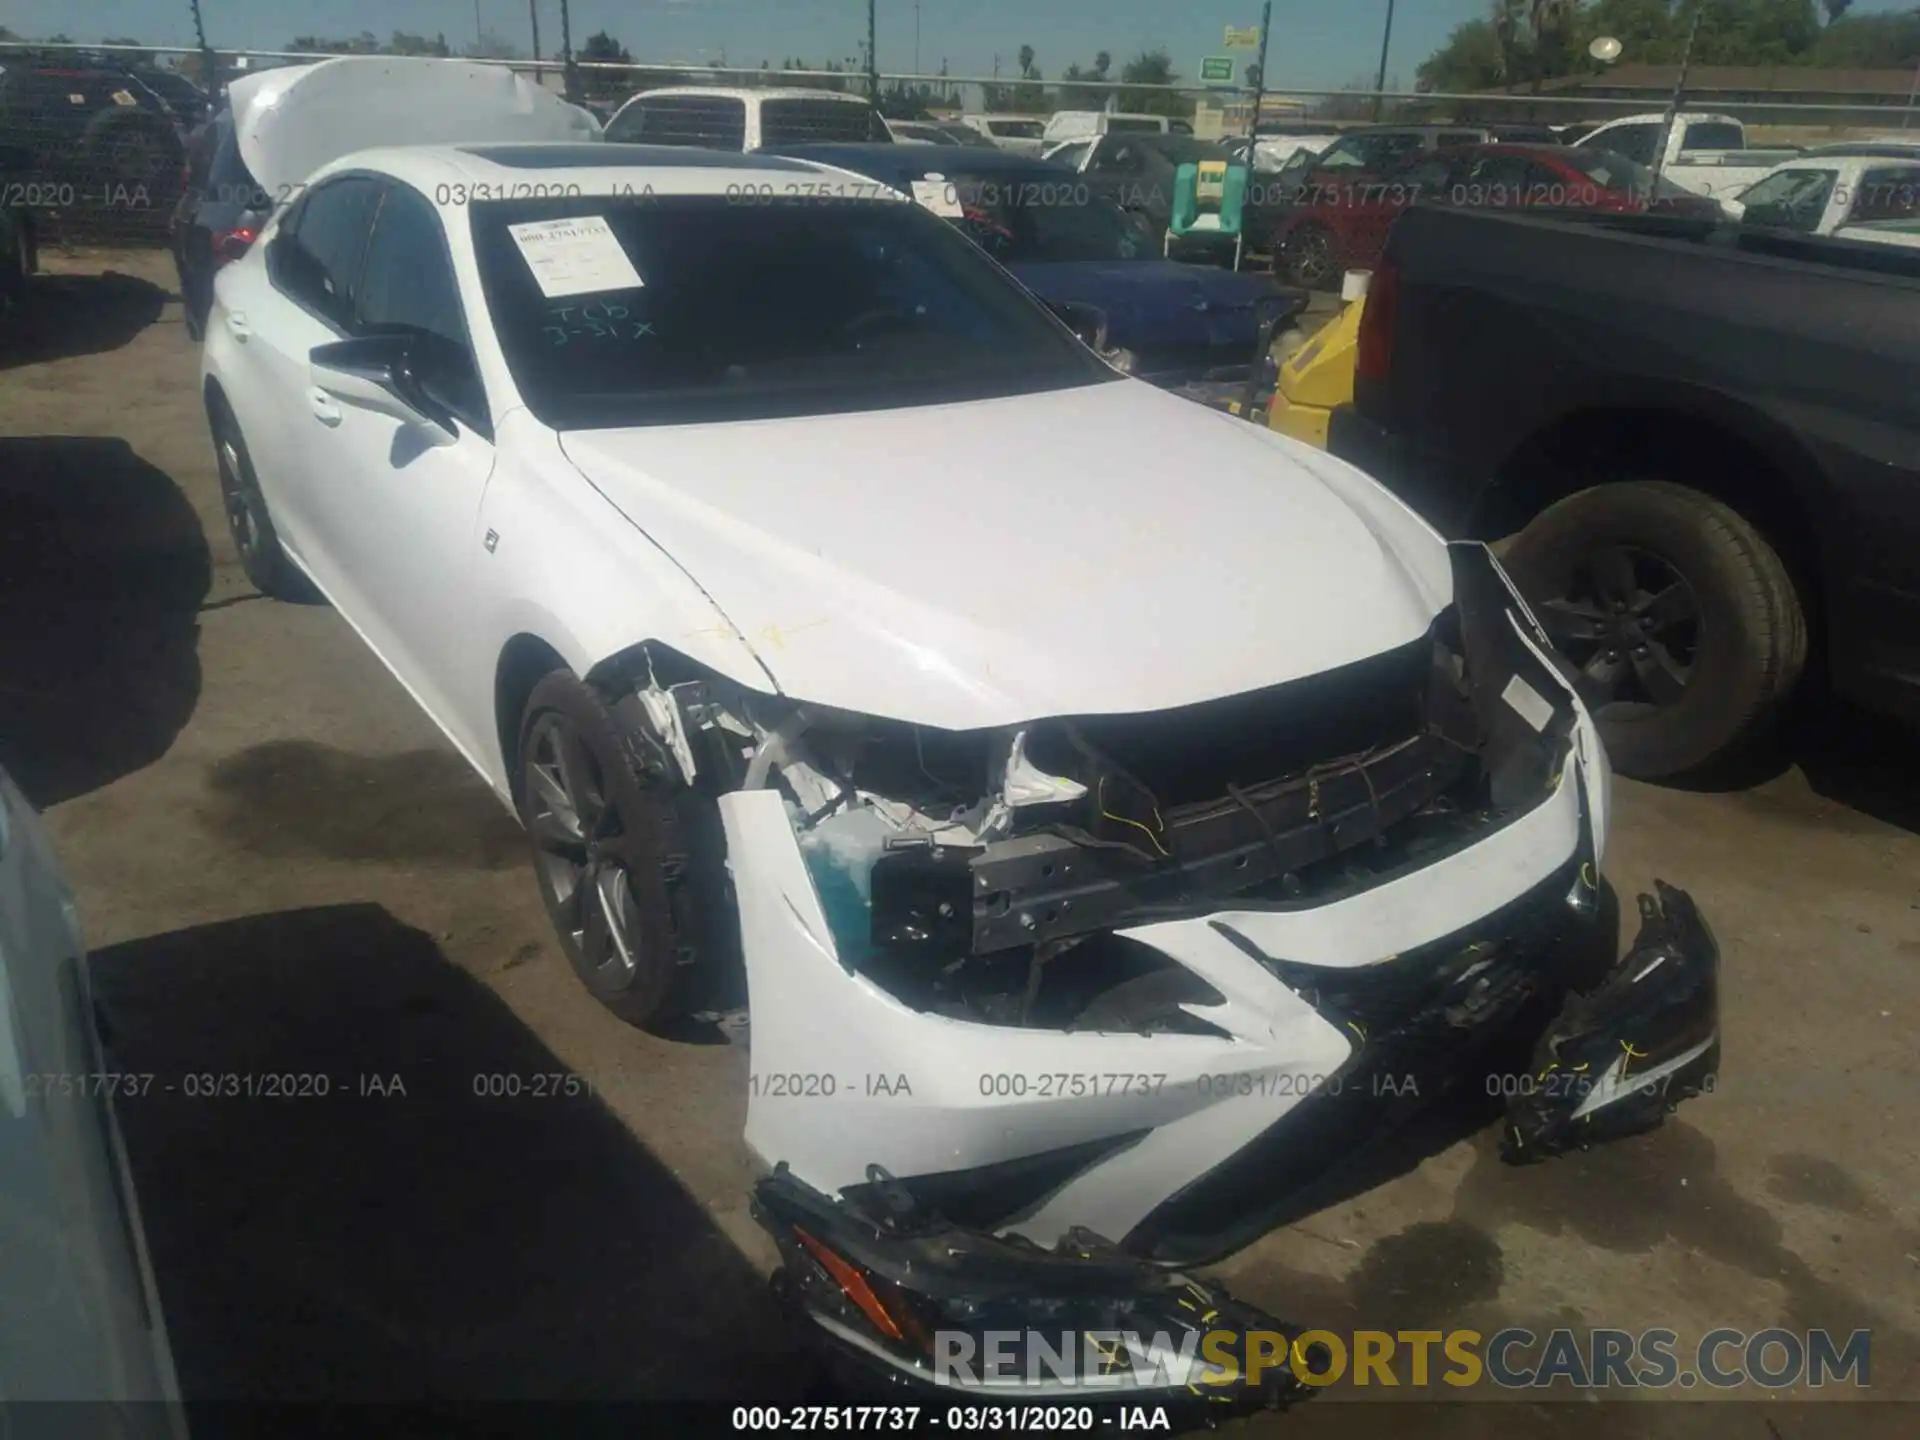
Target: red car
<point>1339,219</point>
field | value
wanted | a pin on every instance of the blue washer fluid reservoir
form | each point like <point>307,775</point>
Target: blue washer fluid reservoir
<point>841,852</point>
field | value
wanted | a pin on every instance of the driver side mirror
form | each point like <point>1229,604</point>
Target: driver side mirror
<point>380,373</point>
<point>1089,322</point>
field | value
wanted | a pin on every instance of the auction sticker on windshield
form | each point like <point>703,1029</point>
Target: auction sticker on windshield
<point>581,256</point>
<point>938,195</point>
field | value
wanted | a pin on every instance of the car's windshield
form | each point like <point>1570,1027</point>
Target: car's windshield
<point>1017,129</point>
<point>1040,217</point>
<point>681,309</point>
<point>1130,125</point>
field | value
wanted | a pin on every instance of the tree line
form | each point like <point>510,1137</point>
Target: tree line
<point>1527,42</point>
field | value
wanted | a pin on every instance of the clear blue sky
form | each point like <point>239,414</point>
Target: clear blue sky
<point>1317,43</point>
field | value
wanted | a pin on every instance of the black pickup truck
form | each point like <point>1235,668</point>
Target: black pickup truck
<point>1703,439</point>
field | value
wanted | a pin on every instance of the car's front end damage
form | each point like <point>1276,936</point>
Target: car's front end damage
<point>1143,986</point>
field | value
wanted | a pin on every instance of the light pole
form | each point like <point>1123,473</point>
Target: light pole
<point>533,19</point>
<point>1259,81</point>
<point>1380,81</point>
<point>916,37</point>
<point>476,22</point>
<point>1673,105</point>
<point>570,82</point>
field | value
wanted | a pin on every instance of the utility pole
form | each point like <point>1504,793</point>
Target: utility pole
<point>873,60</point>
<point>209,66</point>
<point>916,37</point>
<point>533,19</point>
<point>1673,105</point>
<point>571,82</point>
<point>1380,81</point>
<point>1259,79</point>
<point>477,32</point>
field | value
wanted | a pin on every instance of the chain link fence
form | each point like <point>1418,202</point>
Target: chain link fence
<point>94,142</point>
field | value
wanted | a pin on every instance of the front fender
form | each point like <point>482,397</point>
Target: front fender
<point>561,564</point>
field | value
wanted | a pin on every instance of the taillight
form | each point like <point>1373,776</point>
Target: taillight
<point>1374,348</point>
<point>231,244</point>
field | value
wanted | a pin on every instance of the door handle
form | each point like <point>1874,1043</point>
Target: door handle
<point>237,326</point>
<point>324,410</point>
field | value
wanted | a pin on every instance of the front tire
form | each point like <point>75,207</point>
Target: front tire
<point>1681,618</point>
<point>621,852</point>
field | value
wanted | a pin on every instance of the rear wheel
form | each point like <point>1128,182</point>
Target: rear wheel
<point>1681,618</point>
<point>251,527</point>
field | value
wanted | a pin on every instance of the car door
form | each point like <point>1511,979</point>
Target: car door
<point>1883,192</point>
<point>1793,199</point>
<point>274,314</point>
<point>402,500</point>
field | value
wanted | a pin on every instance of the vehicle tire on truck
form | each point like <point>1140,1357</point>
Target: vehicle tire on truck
<point>1682,620</point>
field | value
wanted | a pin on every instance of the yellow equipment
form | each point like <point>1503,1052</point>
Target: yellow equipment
<point>1317,379</point>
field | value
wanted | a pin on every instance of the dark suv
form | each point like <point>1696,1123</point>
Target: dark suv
<point>105,150</point>
<point>219,215</point>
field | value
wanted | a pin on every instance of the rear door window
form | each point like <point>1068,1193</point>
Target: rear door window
<point>1712,135</point>
<point>826,122</point>
<point>1637,142</point>
<point>1890,192</point>
<point>713,122</point>
<point>317,264</point>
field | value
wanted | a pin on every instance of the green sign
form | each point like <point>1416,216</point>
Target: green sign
<point>1217,70</point>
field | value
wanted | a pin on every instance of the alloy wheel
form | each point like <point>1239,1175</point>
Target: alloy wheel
<point>581,849</point>
<point>242,500</point>
<point>1630,623</point>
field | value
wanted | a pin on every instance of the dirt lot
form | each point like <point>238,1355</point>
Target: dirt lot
<point>284,869</point>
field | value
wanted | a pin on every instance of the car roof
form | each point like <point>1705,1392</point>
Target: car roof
<point>717,92</point>
<point>537,168</point>
<point>872,157</point>
<point>1882,149</point>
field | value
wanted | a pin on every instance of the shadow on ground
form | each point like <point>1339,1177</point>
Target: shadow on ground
<point>404,1236</point>
<point>1868,763</point>
<point>61,316</point>
<point>103,566</point>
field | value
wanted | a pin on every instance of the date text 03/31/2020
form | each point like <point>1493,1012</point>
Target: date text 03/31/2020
<point>961,1419</point>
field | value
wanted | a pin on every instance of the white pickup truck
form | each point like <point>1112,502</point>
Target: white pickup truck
<point>1706,154</point>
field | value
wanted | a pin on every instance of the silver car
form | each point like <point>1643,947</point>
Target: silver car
<point>79,1313</point>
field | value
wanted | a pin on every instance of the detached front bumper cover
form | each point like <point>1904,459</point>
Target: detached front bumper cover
<point>1619,1058</point>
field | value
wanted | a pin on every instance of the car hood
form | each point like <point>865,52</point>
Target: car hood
<point>291,121</point>
<point>1107,549</point>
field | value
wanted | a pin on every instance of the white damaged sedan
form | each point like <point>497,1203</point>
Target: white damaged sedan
<point>1098,795</point>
